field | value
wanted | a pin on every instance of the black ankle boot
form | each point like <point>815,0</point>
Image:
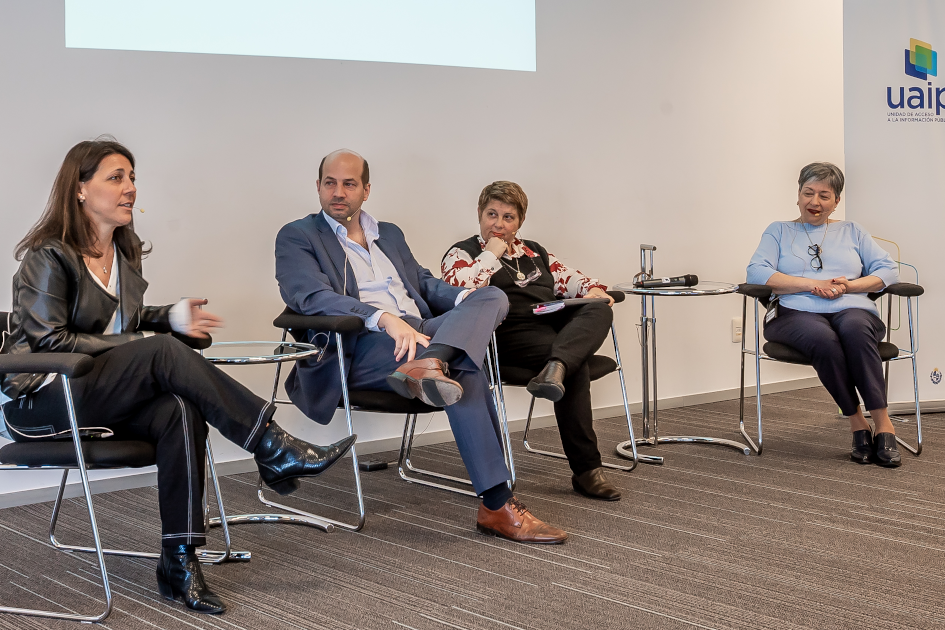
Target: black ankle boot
<point>179,578</point>
<point>282,458</point>
<point>549,384</point>
<point>887,453</point>
<point>862,452</point>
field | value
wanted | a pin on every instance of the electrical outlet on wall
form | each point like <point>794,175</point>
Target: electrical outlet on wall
<point>736,330</point>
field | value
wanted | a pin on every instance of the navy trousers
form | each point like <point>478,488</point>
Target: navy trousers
<point>843,348</point>
<point>474,421</point>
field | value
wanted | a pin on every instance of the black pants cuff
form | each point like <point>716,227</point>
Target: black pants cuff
<point>197,540</point>
<point>265,417</point>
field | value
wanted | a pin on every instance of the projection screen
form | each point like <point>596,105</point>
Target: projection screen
<point>494,34</point>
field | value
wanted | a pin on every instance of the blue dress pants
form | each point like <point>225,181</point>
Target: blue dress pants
<point>474,421</point>
<point>843,347</point>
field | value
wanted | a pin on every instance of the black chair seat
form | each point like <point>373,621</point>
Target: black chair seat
<point>385,402</point>
<point>518,377</point>
<point>787,354</point>
<point>98,453</point>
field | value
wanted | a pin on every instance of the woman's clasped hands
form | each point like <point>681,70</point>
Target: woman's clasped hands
<point>831,289</point>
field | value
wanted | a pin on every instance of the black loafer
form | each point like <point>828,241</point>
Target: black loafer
<point>862,452</point>
<point>887,453</point>
<point>594,484</point>
<point>282,458</point>
<point>180,579</point>
<point>549,384</point>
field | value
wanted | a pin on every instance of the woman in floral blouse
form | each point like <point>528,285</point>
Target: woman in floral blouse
<point>559,344</point>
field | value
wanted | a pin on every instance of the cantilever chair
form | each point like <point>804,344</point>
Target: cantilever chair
<point>772,351</point>
<point>364,400</point>
<point>600,366</point>
<point>84,454</point>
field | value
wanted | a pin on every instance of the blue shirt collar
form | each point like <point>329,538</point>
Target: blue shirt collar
<point>368,224</point>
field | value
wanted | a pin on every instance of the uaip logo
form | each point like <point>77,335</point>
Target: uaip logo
<point>918,104</point>
<point>921,60</point>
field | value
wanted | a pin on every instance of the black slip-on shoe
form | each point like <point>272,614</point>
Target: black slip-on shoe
<point>887,453</point>
<point>862,451</point>
<point>549,384</point>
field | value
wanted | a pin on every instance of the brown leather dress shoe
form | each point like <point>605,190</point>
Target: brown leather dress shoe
<point>594,484</point>
<point>427,380</point>
<point>515,522</point>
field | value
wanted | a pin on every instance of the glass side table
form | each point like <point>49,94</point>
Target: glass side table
<point>651,436</point>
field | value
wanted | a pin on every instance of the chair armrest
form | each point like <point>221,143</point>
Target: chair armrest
<point>761,291</point>
<point>618,296</point>
<point>194,342</point>
<point>290,320</point>
<point>71,364</point>
<point>902,289</point>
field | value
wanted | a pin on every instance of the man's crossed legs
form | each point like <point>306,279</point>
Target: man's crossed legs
<point>461,336</point>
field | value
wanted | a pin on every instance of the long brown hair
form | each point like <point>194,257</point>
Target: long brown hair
<point>64,220</point>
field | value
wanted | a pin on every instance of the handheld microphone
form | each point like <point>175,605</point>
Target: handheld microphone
<point>687,280</point>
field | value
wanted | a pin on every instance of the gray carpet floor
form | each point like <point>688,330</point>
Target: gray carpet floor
<point>797,538</point>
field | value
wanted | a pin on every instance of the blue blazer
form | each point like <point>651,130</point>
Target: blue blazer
<point>310,268</point>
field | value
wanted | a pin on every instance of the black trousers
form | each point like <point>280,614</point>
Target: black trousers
<point>571,336</point>
<point>160,391</point>
<point>843,348</point>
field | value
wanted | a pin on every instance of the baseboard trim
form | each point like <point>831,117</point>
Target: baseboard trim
<point>708,397</point>
<point>925,406</point>
<point>140,480</point>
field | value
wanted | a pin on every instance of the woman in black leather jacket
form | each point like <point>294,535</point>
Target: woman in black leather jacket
<point>79,289</point>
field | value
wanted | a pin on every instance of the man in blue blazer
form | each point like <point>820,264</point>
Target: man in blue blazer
<point>341,261</point>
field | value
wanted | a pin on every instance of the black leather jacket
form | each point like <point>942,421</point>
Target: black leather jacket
<point>59,307</point>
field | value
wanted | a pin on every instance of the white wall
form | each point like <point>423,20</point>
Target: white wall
<point>681,123</point>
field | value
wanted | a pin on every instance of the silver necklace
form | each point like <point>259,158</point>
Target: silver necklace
<point>104,268</point>
<point>819,249</point>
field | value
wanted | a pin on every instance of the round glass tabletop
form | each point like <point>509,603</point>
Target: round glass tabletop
<point>259,352</point>
<point>706,287</point>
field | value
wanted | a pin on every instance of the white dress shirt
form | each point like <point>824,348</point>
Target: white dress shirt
<point>379,284</point>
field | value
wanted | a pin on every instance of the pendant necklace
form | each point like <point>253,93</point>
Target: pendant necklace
<point>518,271</point>
<point>104,268</point>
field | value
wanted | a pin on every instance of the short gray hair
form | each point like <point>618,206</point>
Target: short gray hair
<point>822,172</point>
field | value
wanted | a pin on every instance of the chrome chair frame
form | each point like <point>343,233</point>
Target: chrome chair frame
<point>78,364</point>
<point>761,293</point>
<point>404,465</point>
<point>296,516</point>
<point>634,456</point>
<point>207,557</point>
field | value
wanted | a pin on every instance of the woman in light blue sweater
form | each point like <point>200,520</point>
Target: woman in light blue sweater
<point>821,270</point>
